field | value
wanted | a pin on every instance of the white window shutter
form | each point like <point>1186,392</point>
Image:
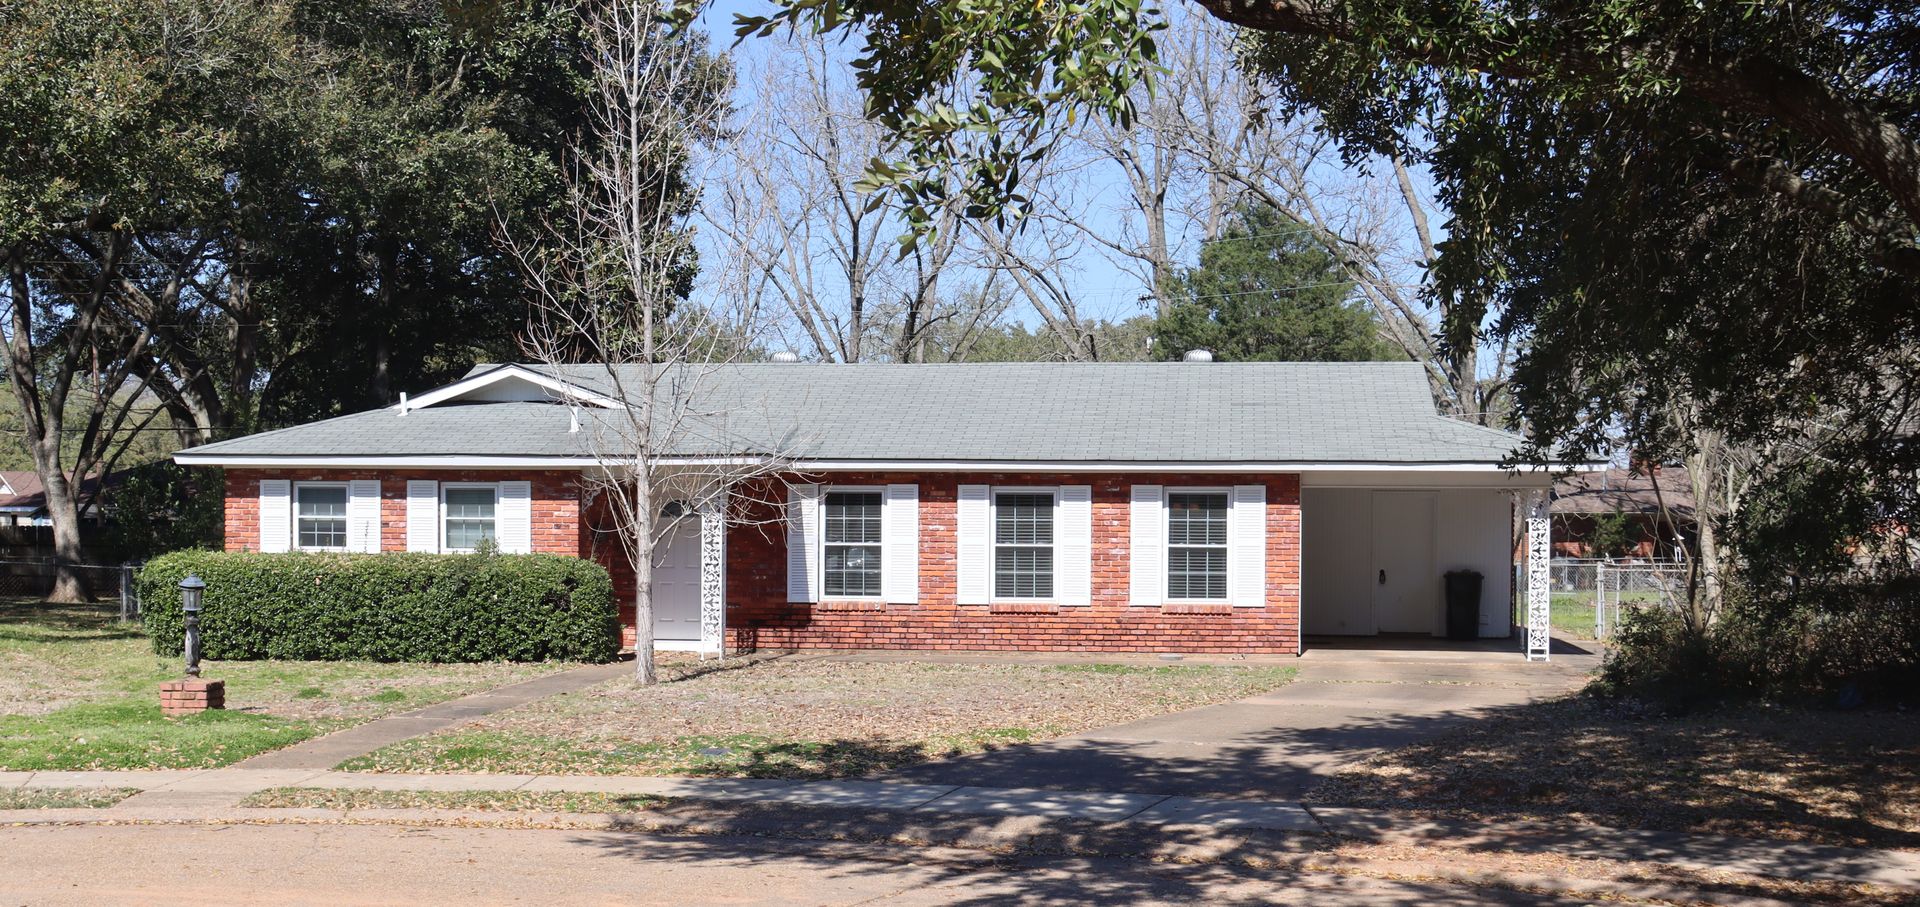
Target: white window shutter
<point>1247,556</point>
<point>900,545</point>
<point>1147,546</point>
<point>973,546</point>
<point>803,543</point>
<point>513,518</point>
<point>276,515</point>
<point>423,515</point>
<point>363,516</point>
<point>1073,545</point>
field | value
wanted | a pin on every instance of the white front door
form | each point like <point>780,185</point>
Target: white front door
<point>676,583</point>
<point>1406,592</point>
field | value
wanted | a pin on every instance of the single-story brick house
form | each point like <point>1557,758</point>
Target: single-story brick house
<point>1144,507</point>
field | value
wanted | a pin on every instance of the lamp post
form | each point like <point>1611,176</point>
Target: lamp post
<point>190,589</point>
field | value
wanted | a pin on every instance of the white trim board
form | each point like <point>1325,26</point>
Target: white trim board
<point>1532,477</point>
<point>506,372</point>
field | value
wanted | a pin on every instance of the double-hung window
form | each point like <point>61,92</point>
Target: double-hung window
<point>320,516</point>
<point>1023,545</point>
<point>1196,546</point>
<point>851,544</point>
<point>468,515</point>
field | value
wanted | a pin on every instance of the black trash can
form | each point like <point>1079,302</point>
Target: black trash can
<point>1463,604</point>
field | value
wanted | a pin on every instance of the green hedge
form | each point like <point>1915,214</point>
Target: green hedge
<point>386,607</point>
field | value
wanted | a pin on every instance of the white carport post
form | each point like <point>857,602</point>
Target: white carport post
<point>1539,556</point>
<point>713,573</point>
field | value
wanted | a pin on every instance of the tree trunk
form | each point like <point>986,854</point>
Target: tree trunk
<point>382,385</point>
<point>644,670</point>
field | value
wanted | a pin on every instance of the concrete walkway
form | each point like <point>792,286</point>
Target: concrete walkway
<point>1348,704</point>
<point>216,788</point>
<point>999,814</point>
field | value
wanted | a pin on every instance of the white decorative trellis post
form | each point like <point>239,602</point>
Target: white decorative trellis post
<point>1539,558</point>
<point>713,574</point>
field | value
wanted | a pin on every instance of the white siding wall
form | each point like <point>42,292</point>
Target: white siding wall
<point>1471,531</point>
<point>1475,534</point>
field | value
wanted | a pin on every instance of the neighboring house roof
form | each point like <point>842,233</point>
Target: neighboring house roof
<point>17,482</point>
<point>30,496</point>
<point>1611,490</point>
<point>1284,412</point>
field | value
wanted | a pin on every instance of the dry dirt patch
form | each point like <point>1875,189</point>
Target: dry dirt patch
<point>1848,778</point>
<point>787,716</point>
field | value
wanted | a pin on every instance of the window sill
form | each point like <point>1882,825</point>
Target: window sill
<point>850,606</point>
<point>1023,608</point>
<point>1196,609</point>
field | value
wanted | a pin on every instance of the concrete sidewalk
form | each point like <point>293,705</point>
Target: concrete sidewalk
<point>1197,819</point>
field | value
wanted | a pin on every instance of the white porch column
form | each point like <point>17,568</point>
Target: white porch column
<point>1539,556</point>
<point>713,573</point>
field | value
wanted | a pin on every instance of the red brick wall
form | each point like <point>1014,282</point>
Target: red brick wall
<point>758,614</point>
<point>556,502</point>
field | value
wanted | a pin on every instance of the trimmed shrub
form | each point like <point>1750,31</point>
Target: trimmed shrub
<point>386,607</point>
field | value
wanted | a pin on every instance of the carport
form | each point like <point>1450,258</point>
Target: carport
<point>1375,546</point>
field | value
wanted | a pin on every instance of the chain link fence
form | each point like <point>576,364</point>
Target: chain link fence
<point>104,583</point>
<point>1590,596</point>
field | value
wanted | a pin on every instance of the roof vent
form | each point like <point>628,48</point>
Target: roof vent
<point>1198,356</point>
<point>786,356</point>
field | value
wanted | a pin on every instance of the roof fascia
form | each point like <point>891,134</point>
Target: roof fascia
<point>475,461</point>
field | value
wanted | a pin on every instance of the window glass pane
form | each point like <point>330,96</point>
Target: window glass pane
<point>470,516</point>
<point>1023,519</point>
<point>322,500</point>
<point>320,516</point>
<point>852,570</point>
<point>1197,573</point>
<point>1196,519</point>
<point>470,503</point>
<point>853,517</point>
<point>466,534</point>
<point>851,524</point>
<point>1196,545</point>
<point>1021,572</point>
<point>1023,545</point>
<point>322,533</point>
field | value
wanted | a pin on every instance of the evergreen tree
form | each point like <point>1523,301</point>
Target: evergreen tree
<point>1265,291</point>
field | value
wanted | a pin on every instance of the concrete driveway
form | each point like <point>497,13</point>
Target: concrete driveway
<point>1349,702</point>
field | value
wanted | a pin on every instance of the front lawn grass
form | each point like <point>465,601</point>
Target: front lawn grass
<point>812,717</point>
<point>63,797</point>
<point>79,691</point>
<point>1755,770</point>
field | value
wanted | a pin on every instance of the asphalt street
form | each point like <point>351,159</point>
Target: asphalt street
<point>365,865</point>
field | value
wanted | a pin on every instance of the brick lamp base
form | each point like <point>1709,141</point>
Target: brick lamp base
<point>191,696</point>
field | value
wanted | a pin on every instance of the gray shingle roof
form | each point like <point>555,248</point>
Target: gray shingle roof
<point>1284,412</point>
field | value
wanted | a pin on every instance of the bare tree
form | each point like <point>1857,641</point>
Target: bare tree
<point>1204,142</point>
<point>790,207</point>
<point>607,280</point>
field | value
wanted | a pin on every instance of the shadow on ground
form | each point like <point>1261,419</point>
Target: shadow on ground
<point>54,622</point>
